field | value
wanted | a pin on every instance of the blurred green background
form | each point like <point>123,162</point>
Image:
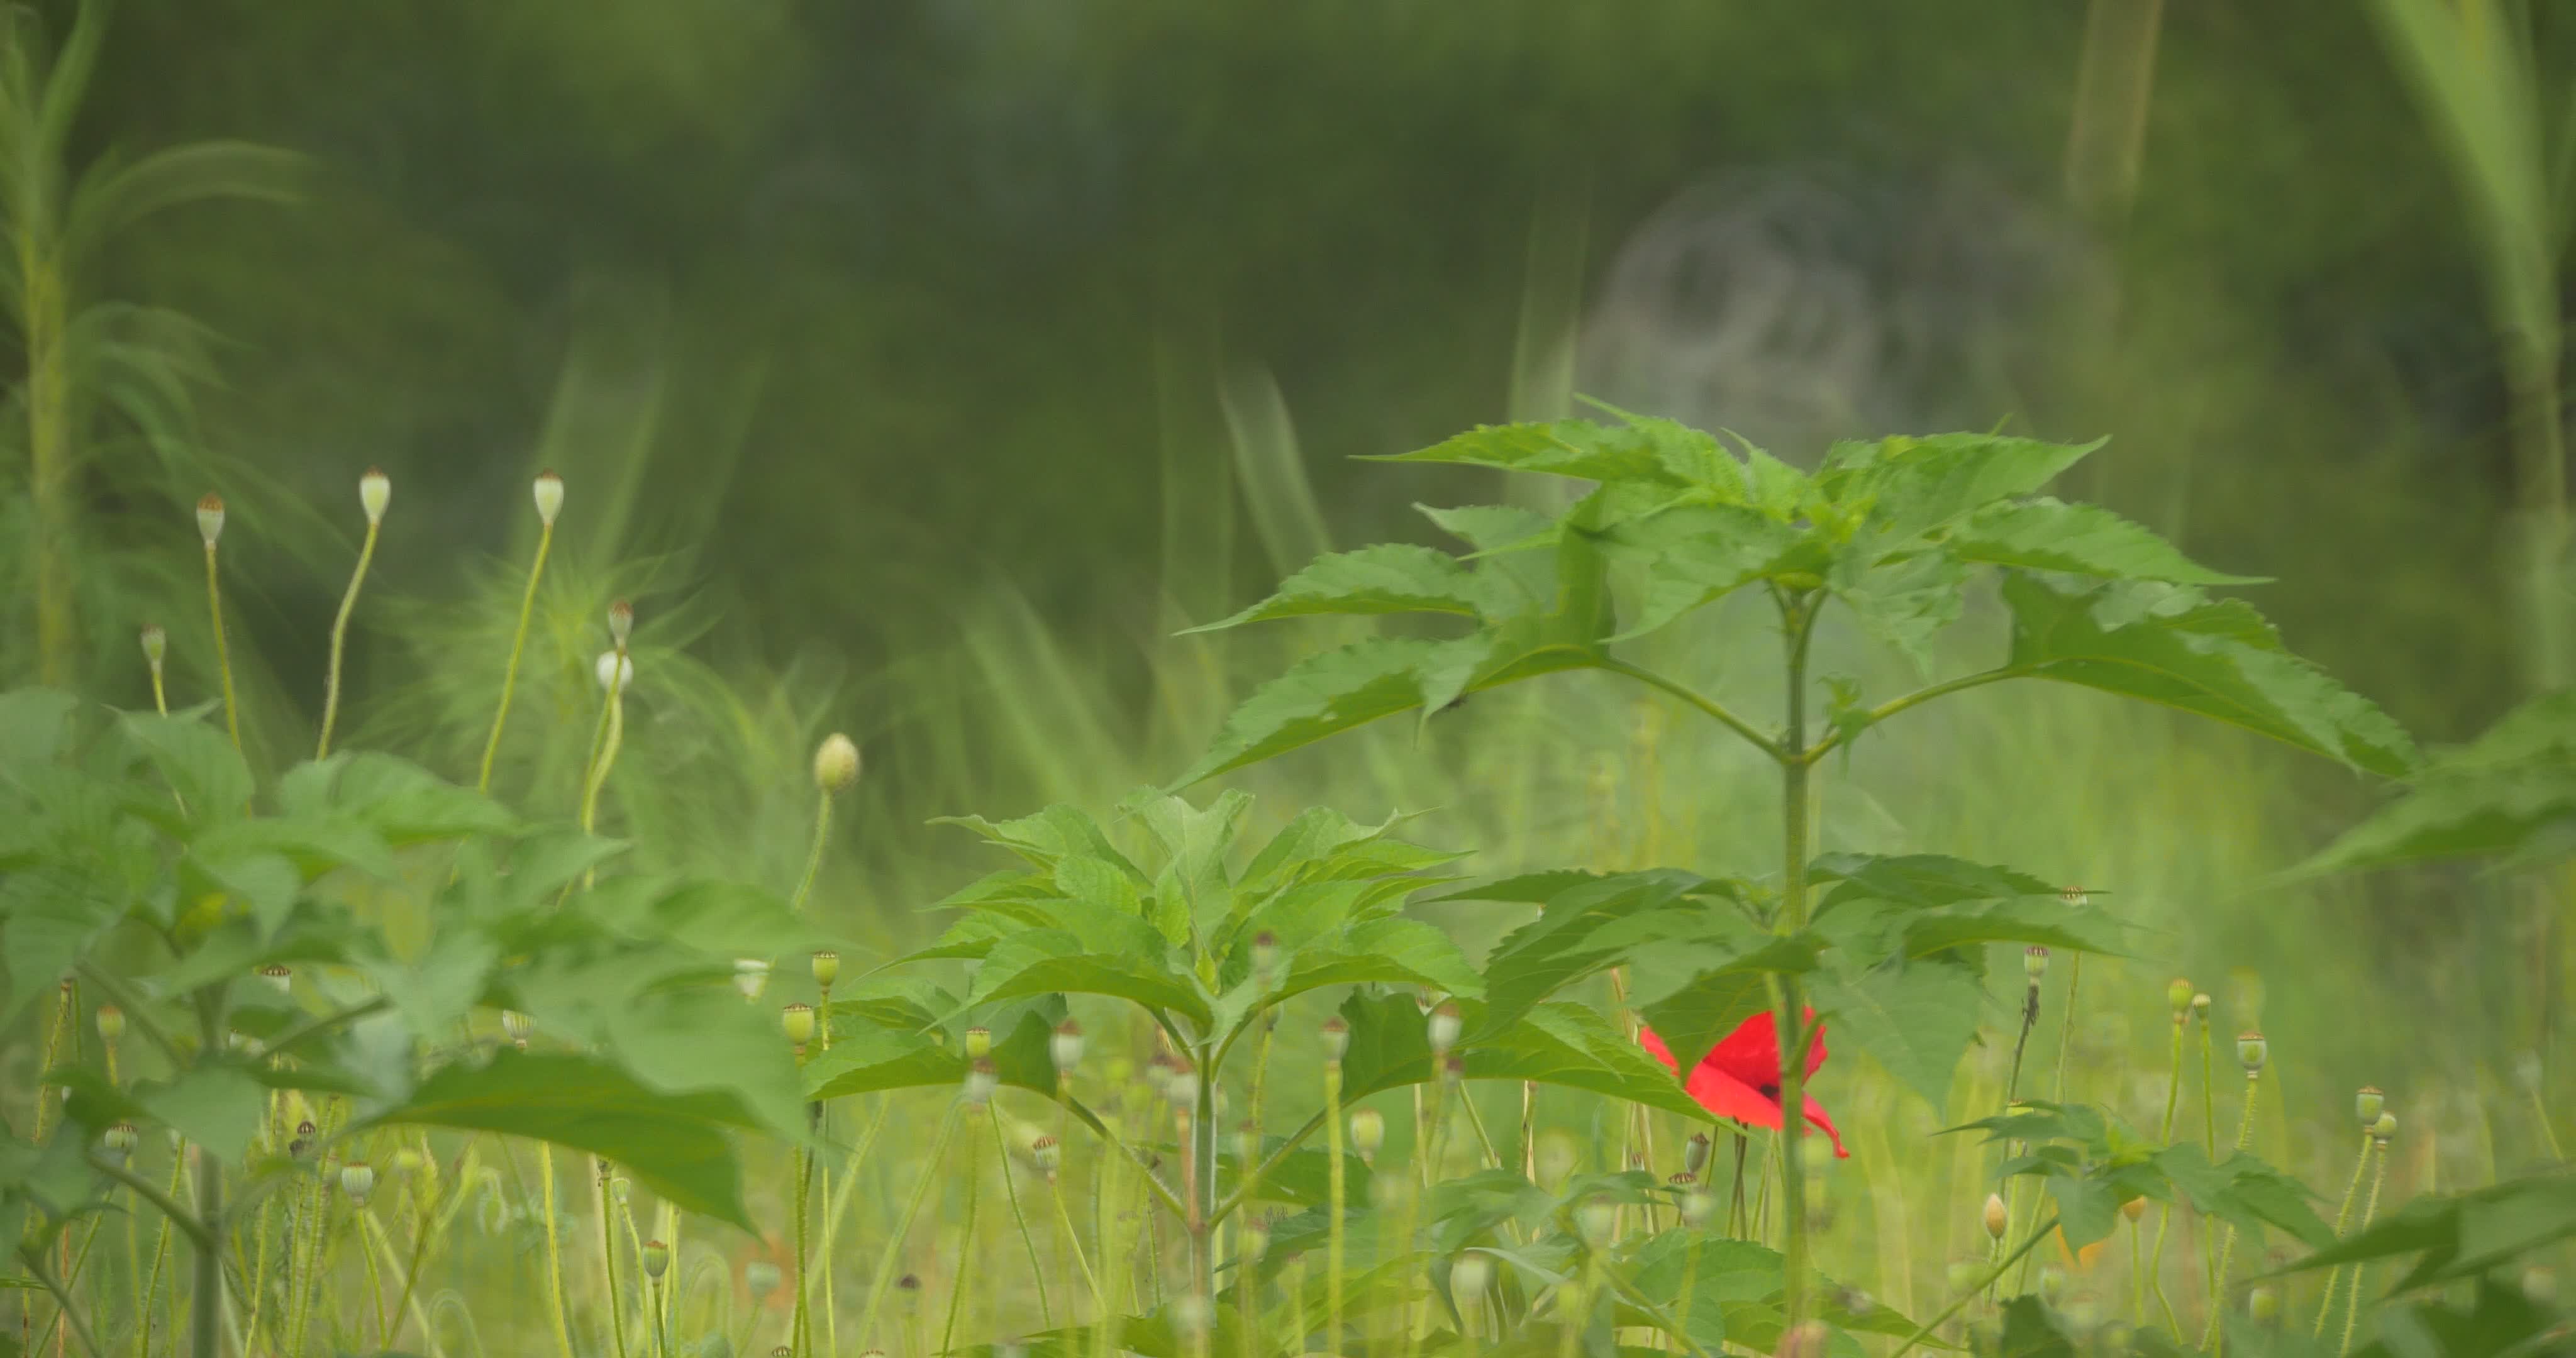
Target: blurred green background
<point>920,367</point>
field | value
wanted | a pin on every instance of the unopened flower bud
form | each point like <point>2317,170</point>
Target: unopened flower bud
<point>657,1260</point>
<point>1337,1038</point>
<point>616,671</point>
<point>2367,1104</point>
<point>1065,1048</point>
<point>2250,1051</point>
<point>303,1142</point>
<point>1046,1153</point>
<point>1443,1028</point>
<point>1470,1274</point>
<point>797,1022</point>
<point>1595,1219</point>
<point>120,1140</point>
<point>2052,1282</point>
<point>1996,1217</point>
<point>621,622</point>
<point>836,764</point>
<point>827,969</point>
<point>750,976</point>
<point>1695,1152</point>
<point>210,519</point>
<point>549,497</point>
<point>156,644</point>
<point>516,1026</point>
<point>2134,1208</point>
<point>280,977</point>
<point>111,1024</point>
<point>2385,1128</point>
<point>358,1180</point>
<point>2034,962</point>
<point>2074,895</point>
<point>979,1042</point>
<point>2200,1006</point>
<point>981,1081</point>
<point>2263,1305</point>
<point>2179,996</point>
<point>374,490</point>
<point>1368,1132</point>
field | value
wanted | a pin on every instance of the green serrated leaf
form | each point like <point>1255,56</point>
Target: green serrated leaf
<point>1914,485</point>
<point>2170,645</point>
<point>1388,578</point>
<point>1575,448</point>
<point>1915,1020</point>
<point>2045,534</point>
<point>199,763</point>
<point>1046,961</point>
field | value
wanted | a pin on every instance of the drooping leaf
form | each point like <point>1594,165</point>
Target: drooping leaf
<point>2044,534</point>
<point>1904,602</point>
<point>1915,1020</point>
<point>1918,881</point>
<point>677,1145</point>
<point>1388,578</point>
<point>1656,451</point>
<point>199,763</point>
<point>1691,555</point>
<point>1561,946</point>
<point>2510,794</point>
<point>2245,1190</point>
<point>216,1105</point>
<point>2463,1235</point>
<point>1047,961</point>
<point>2170,645</point>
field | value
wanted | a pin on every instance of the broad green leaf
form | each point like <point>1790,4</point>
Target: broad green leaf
<point>1049,835</point>
<point>1557,1044</point>
<point>1915,1020</point>
<point>316,844</point>
<point>266,884</point>
<point>34,725</point>
<point>1910,486</point>
<point>2047,535</point>
<point>1400,952</point>
<point>52,912</point>
<point>1727,984</point>
<point>2246,1191</point>
<point>218,1106</point>
<point>1559,948</point>
<point>680,1146</point>
<point>1693,555</point>
<point>1582,449</point>
<point>1918,881</point>
<point>399,800</point>
<point>1904,602</point>
<point>1493,528</point>
<point>2463,1235</point>
<point>1047,961</point>
<point>2045,921</point>
<point>2170,645</point>
<point>1388,578</point>
<point>436,990</point>
<point>1330,693</point>
<point>2088,1208</point>
<point>2031,1331</point>
<point>199,763</point>
<point>2510,794</point>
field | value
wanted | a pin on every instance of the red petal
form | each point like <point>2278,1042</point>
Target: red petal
<point>1816,1115</point>
<point>1722,1093</point>
<point>1752,1052</point>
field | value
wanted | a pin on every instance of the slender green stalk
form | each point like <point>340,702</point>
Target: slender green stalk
<point>1099,1301</point>
<point>554,1250</point>
<point>608,1255</point>
<point>612,727</point>
<point>814,856</point>
<point>797,1338</point>
<point>2209,1146</point>
<point>2066,1024</point>
<point>340,640</point>
<point>150,1306</point>
<point>1996,1270</point>
<point>965,1252</point>
<point>223,655</point>
<point>1010,1189</point>
<point>2215,1338</point>
<point>2352,1313</point>
<point>405,1302</point>
<point>35,1264</point>
<point>2164,1136</point>
<point>375,1279</point>
<point>903,1225</point>
<point>1336,1247</point>
<point>518,644</point>
<point>205,1326</point>
<point>2343,1223</point>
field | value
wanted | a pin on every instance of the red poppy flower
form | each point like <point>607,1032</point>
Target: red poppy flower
<point>1740,1076</point>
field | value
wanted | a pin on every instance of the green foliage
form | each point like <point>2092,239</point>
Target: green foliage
<point>2091,1162</point>
<point>2511,794</point>
<point>2462,1236</point>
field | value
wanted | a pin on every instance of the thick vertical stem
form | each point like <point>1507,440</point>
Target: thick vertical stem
<point>206,1306</point>
<point>1798,616</point>
<point>49,453</point>
<point>1337,1191</point>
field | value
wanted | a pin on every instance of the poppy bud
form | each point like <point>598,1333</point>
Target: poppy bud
<point>836,764</point>
<point>2179,996</point>
<point>1368,1132</point>
<point>280,977</point>
<point>2052,1282</point>
<point>797,1021</point>
<point>827,969</point>
<point>549,497</point>
<point>761,1277</point>
<point>750,976</point>
<point>2200,1006</point>
<point>616,671</point>
<point>2385,1128</point>
<point>1065,1048</point>
<point>1443,1029</point>
<point>1595,1219</point>
<point>2134,1208</point>
<point>657,1260</point>
<point>1470,1275</point>
<point>374,490</point>
<point>120,1140</point>
<point>2250,1051</point>
<point>358,1180</point>
<point>1996,1217</point>
<point>2075,895</point>
<point>303,1141</point>
<point>1265,955</point>
<point>516,1025</point>
<point>981,1081</point>
<point>111,1024</point>
<point>2367,1104</point>
<point>156,643</point>
<point>621,622</point>
<point>2034,962</point>
<point>210,519</point>
<point>979,1042</point>
<point>1337,1038</point>
<point>1046,1153</point>
<point>1695,1152</point>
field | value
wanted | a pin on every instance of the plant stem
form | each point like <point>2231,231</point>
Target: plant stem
<point>223,656</point>
<point>814,860</point>
<point>1010,1189</point>
<point>2343,1223</point>
<point>35,1262</point>
<point>965,1252</point>
<point>1782,751</point>
<point>518,643</point>
<point>1337,1190</point>
<point>608,1255</point>
<point>796,1331</point>
<point>2215,1339</point>
<point>903,1225</point>
<point>1798,616</point>
<point>2209,1147</point>
<point>2066,1024</point>
<point>2352,1314</point>
<point>339,641</point>
<point>554,1250</point>
<point>1924,1330</point>
<point>2164,1218</point>
<point>150,1305</point>
<point>612,724</point>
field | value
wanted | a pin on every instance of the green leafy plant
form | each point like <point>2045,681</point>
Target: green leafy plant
<point>1890,536</point>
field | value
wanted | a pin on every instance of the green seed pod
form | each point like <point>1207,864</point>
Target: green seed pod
<point>2367,1104</point>
<point>516,1026</point>
<point>2052,1282</point>
<point>981,1081</point>
<point>549,496</point>
<point>1699,1207</point>
<point>621,622</point>
<point>210,519</point>
<point>375,489</point>
<point>979,1043</point>
<point>358,1180</point>
<point>1337,1038</point>
<point>1695,1152</point>
<point>1595,1219</point>
<point>797,1022</point>
<point>1065,1048</point>
<point>2034,962</point>
<point>836,764</point>
<point>750,976</point>
<point>2200,1006</point>
<point>827,969</point>
<point>2250,1052</point>
<point>302,1145</point>
<point>1470,1274</point>
<point>2179,996</point>
<point>657,1260</point>
<point>1443,1027</point>
<point>616,672</point>
<point>111,1024</point>
<point>1368,1132</point>
<point>1997,1218</point>
<point>1964,1274</point>
<point>2385,1128</point>
<point>1046,1153</point>
<point>2263,1304</point>
<point>280,977</point>
<point>156,644</point>
<point>120,1140</point>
